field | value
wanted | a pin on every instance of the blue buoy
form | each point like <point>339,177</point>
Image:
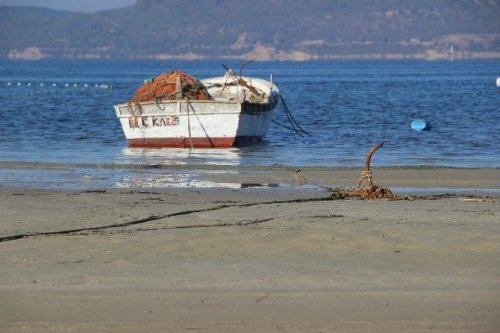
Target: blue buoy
<point>420,125</point>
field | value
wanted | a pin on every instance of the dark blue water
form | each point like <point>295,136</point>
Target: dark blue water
<point>62,112</point>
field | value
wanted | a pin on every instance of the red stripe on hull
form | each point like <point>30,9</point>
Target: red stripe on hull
<point>196,142</point>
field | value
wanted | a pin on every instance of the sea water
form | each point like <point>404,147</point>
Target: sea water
<point>58,127</point>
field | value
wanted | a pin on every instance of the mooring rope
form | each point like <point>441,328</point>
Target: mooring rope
<point>189,123</point>
<point>287,127</point>
<point>294,124</point>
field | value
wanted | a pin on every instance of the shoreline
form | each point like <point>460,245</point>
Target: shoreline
<point>214,166</point>
<point>404,180</point>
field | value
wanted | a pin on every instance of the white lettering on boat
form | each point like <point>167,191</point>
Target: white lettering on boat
<point>152,121</point>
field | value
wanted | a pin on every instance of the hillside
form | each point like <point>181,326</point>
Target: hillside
<point>258,29</point>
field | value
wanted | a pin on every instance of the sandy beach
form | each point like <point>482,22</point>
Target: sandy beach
<point>256,259</point>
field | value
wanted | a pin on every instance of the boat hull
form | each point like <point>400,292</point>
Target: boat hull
<point>225,142</point>
<point>197,124</point>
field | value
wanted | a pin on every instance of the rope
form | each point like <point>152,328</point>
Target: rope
<point>294,124</point>
<point>287,127</point>
<point>189,124</point>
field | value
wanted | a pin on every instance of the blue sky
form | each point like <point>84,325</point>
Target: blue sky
<point>72,5</point>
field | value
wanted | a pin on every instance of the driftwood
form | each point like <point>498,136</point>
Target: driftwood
<point>366,188</point>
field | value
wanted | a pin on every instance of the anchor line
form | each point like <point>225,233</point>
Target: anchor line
<point>295,126</point>
<point>287,127</point>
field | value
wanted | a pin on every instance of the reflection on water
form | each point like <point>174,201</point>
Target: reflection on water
<point>81,177</point>
<point>180,156</point>
<point>173,180</point>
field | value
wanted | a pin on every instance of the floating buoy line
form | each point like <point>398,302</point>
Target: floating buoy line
<point>60,84</point>
<point>30,88</point>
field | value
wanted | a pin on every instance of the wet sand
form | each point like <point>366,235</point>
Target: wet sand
<point>279,259</point>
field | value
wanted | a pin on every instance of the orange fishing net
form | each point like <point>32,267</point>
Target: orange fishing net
<point>164,86</point>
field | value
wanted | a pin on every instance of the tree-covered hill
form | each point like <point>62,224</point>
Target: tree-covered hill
<point>258,29</point>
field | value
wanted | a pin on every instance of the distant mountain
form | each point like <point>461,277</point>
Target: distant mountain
<point>258,29</point>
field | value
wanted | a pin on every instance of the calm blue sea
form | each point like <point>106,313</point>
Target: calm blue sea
<point>58,113</point>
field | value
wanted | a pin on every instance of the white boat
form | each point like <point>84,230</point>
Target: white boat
<point>238,113</point>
